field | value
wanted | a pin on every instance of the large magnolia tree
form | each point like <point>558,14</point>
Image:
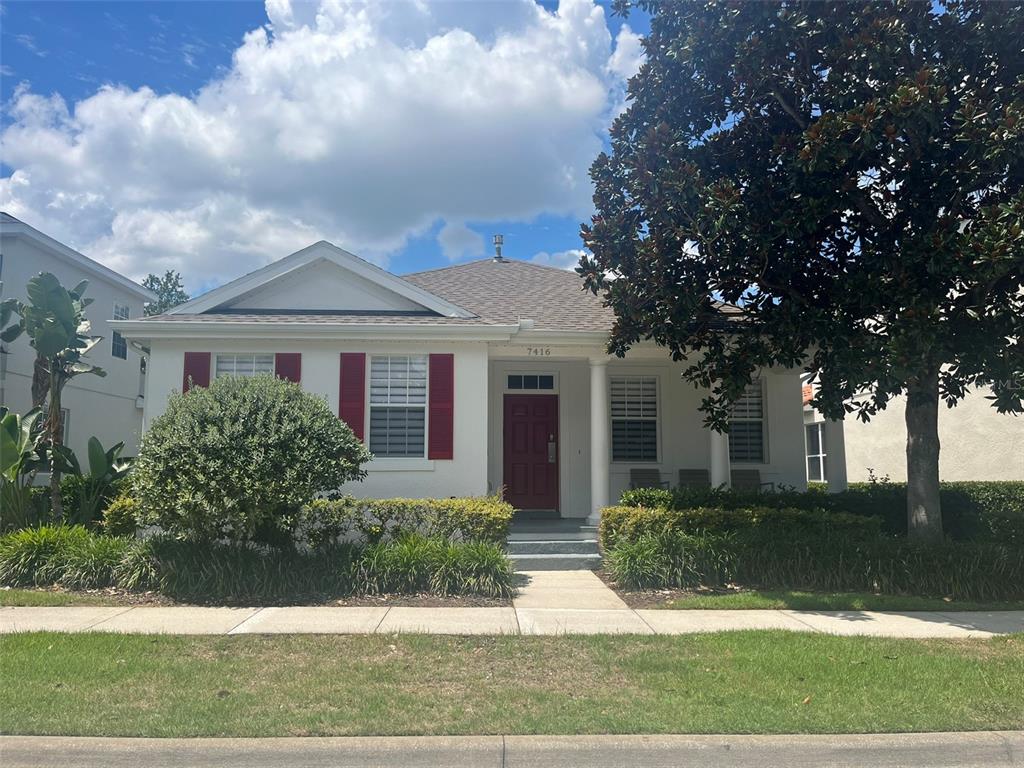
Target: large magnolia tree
<point>849,175</point>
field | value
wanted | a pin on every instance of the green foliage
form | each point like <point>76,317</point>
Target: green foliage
<point>413,563</point>
<point>671,559</point>
<point>237,460</point>
<point>247,573</point>
<point>58,330</point>
<point>972,511</point>
<point>69,556</point>
<point>21,457</point>
<point>848,177</point>
<point>632,523</point>
<point>83,496</point>
<point>169,290</point>
<point>485,518</point>
<point>121,516</point>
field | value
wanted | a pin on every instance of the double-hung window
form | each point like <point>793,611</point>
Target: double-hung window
<point>816,453</point>
<point>634,405</point>
<point>398,405</point>
<point>244,364</point>
<point>118,344</point>
<point>746,426</point>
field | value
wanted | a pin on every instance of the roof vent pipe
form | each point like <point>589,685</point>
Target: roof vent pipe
<point>499,240</point>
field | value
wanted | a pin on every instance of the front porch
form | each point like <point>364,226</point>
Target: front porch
<point>568,426</point>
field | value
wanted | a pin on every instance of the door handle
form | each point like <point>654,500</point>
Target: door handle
<point>552,449</point>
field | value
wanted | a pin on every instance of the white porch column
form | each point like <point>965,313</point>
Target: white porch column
<point>835,456</point>
<point>600,425</point>
<point>721,471</point>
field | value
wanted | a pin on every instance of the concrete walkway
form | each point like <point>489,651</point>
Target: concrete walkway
<point>548,603</point>
<point>964,750</point>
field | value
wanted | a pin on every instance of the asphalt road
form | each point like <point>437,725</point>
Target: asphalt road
<point>862,751</point>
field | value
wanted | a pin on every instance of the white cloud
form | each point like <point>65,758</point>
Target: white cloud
<point>562,259</point>
<point>459,241</point>
<point>363,123</point>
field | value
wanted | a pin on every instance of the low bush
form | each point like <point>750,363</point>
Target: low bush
<point>485,518</point>
<point>971,511</point>
<point>414,563</point>
<point>69,556</point>
<point>120,518</point>
<point>75,558</point>
<point>632,523</point>
<point>236,460</point>
<point>816,558</point>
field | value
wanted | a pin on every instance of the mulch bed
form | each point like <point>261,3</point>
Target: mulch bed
<point>653,598</point>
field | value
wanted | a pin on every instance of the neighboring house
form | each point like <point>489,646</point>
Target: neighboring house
<point>108,407</point>
<point>471,378</point>
<point>976,442</point>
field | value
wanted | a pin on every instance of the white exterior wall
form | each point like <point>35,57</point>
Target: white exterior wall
<point>977,442</point>
<point>465,475</point>
<point>683,442</point>
<point>106,407</point>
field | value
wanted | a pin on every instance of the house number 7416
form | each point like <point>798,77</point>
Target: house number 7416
<point>538,351</point>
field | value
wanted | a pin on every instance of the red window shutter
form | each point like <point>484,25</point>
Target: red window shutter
<point>197,369</point>
<point>352,391</point>
<point>288,366</point>
<point>441,408</point>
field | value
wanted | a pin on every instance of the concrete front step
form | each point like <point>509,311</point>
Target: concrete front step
<point>553,547</point>
<point>556,562</point>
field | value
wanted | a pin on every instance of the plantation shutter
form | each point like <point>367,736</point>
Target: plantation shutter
<point>634,407</point>
<point>441,406</point>
<point>352,392</point>
<point>197,370</point>
<point>288,366</point>
<point>746,426</point>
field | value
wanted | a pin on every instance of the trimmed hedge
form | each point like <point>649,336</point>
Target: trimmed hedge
<point>632,523</point>
<point>76,558</point>
<point>484,518</point>
<point>971,511</point>
<point>831,562</point>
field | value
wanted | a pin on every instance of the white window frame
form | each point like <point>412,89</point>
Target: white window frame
<point>552,391</point>
<point>219,356</point>
<point>117,341</point>
<point>65,425</point>
<point>819,457</point>
<point>763,420</point>
<point>656,419</point>
<point>380,459</point>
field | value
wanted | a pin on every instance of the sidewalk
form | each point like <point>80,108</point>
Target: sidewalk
<point>551,603</point>
<point>854,751</point>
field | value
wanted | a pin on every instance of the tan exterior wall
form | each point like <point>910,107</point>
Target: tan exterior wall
<point>977,443</point>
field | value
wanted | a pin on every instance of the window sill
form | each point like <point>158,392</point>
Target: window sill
<point>401,465</point>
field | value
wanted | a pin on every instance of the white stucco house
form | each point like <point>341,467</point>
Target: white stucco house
<point>977,442</point>
<point>469,379</point>
<point>109,407</point>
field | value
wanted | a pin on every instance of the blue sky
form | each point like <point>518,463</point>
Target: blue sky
<point>157,135</point>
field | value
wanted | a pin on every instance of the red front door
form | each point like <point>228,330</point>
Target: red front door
<point>531,451</point>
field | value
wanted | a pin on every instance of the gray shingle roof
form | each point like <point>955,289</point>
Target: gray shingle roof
<point>508,291</point>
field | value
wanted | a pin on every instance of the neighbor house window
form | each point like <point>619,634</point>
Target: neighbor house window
<point>118,345</point>
<point>398,405</point>
<point>816,454</point>
<point>244,364</point>
<point>746,426</point>
<point>634,418</point>
<point>65,425</point>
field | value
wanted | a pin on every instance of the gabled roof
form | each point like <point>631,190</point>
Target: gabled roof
<point>508,291</point>
<point>9,225</point>
<point>322,251</point>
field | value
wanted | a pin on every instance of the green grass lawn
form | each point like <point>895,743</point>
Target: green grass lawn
<point>830,601</point>
<point>740,682</point>
<point>46,597</point>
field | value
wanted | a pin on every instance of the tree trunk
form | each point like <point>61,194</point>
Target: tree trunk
<point>924,514</point>
<point>40,381</point>
<point>56,427</point>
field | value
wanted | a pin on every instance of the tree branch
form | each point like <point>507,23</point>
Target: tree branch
<point>789,110</point>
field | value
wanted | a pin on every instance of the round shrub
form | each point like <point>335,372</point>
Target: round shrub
<point>237,459</point>
<point>120,518</point>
